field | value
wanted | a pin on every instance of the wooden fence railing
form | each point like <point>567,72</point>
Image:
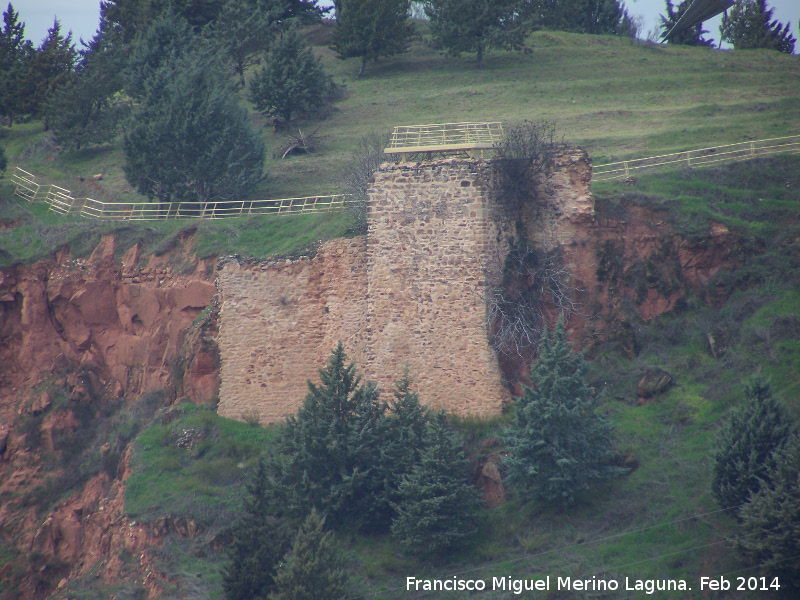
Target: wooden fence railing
<point>445,137</point>
<point>699,158</point>
<point>61,201</point>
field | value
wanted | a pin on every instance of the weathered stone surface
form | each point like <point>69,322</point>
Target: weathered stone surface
<point>409,296</point>
<point>278,323</point>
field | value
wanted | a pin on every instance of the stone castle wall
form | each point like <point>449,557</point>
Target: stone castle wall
<point>408,296</point>
<point>429,235</point>
<point>279,321</point>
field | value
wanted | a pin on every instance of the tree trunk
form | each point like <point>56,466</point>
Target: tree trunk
<point>480,55</point>
<point>363,66</point>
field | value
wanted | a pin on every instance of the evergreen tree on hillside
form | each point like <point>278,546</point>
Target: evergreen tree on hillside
<point>370,29</point>
<point>191,139</point>
<point>51,67</point>
<point>16,54</point>
<point>745,449</point>
<point>89,109</point>
<point>599,17</point>
<point>558,444</point>
<point>437,508</point>
<point>328,448</point>
<point>292,81</point>
<point>166,43</point>
<point>242,32</point>
<point>477,25</point>
<point>400,439</point>
<point>260,542</point>
<point>691,36</point>
<point>771,521</point>
<point>406,436</point>
<point>747,25</point>
<point>313,570</point>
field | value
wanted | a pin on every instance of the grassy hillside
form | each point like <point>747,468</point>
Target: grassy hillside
<point>617,99</point>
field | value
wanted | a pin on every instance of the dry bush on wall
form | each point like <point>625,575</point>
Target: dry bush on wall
<point>357,176</point>
<point>525,153</point>
<point>533,288</point>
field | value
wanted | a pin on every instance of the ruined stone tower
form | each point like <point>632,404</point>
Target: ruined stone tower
<point>409,295</point>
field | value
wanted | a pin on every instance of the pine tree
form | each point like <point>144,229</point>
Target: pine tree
<point>370,29</point>
<point>242,33</point>
<point>690,36</point>
<point>246,28</point>
<point>438,508</point>
<point>88,109</point>
<point>313,570</point>
<point>3,161</point>
<point>260,542</point>
<point>748,25</point>
<point>51,67</point>
<point>476,25</point>
<point>558,444</point>
<point>397,444</point>
<point>292,81</point>
<point>191,139</point>
<point>162,46</point>
<point>771,521</point>
<point>16,54</point>
<point>599,17</point>
<point>744,453</point>
<point>406,437</point>
<point>327,449</point>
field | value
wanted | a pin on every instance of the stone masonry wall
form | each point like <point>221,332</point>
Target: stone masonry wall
<point>279,321</point>
<point>410,295</point>
<point>429,236</point>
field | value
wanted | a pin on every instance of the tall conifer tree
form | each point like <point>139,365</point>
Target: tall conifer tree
<point>313,570</point>
<point>476,25</point>
<point>326,447</point>
<point>771,522</point>
<point>558,444</point>
<point>371,29</point>
<point>16,53</point>
<point>744,453</point>
<point>52,66</point>
<point>260,542</point>
<point>292,81</point>
<point>437,508</point>
<point>748,25</point>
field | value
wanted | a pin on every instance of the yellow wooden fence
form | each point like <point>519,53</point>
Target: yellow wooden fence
<point>60,200</point>
<point>702,157</point>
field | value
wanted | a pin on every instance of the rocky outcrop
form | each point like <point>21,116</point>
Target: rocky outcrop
<point>77,335</point>
<point>125,321</point>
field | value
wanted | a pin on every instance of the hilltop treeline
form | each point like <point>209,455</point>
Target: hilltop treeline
<point>166,76</point>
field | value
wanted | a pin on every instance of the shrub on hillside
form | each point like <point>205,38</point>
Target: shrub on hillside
<point>438,507</point>
<point>524,153</point>
<point>558,444</point>
<point>744,456</point>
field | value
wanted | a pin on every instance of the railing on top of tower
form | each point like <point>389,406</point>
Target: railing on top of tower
<point>474,139</point>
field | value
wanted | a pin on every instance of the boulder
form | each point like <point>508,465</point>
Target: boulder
<point>653,382</point>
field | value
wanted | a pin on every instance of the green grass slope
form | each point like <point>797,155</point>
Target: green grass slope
<point>616,98</point>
